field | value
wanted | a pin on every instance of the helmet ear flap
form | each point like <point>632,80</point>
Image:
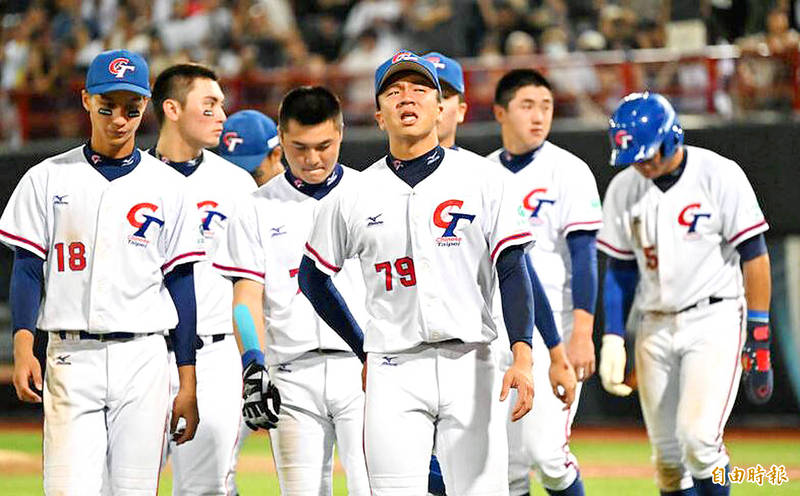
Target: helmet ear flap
<point>673,140</point>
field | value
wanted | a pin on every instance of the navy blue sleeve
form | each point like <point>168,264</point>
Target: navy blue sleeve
<point>180,284</point>
<point>318,287</point>
<point>619,288</point>
<point>752,247</point>
<point>516,294</point>
<point>27,280</point>
<point>545,321</point>
<point>583,253</point>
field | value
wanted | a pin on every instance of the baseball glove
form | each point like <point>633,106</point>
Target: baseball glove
<point>262,401</point>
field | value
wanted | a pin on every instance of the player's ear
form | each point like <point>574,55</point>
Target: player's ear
<point>379,120</point>
<point>462,111</point>
<point>85,96</point>
<point>499,113</point>
<point>276,154</point>
<point>171,109</point>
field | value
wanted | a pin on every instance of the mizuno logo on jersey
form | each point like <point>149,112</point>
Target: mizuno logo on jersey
<point>140,219</point>
<point>689,217</point>
<point>284,367</point>
<point>60,200</point>
<point>373,221</point>
<point>207,207</point>
<point>277,231</point>
<point>448,237</point>
<point>63,360</point>
<point>389,360</point>
<point>533,203</point>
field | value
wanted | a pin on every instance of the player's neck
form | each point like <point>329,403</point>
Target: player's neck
<point>111,151</point>
<point>448,141</point>
<point>407,148</point>
<point>174,147</point>
<point>517,147</point>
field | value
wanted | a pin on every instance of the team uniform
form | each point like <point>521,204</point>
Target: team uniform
<point>203,465</point>
<point>427,256</point>
<point>559,196</point>
<point>107,246</point>
<point>690,294</point>
<point>315,371</point>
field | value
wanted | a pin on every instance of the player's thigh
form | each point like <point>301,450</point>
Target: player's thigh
<point>471,421</point>
<point>658,373</point>
<point>74,440</point>
<point>345,401</point>
<point>400,405</point>
<point>202,465</point>
<point>137,413</point>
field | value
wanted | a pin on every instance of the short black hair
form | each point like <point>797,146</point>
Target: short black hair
<point>174,83</point>
<point>514,80</point>
<point>309,106</point>
<point>448,90</point>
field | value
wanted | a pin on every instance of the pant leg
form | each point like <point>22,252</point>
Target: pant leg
<point>471,432</point>
<point>202,466</point>
<point>74,441</point>
<point>139,389</point>
<point>400,407</point>
<point>658,373</point>
<point>345,401</point>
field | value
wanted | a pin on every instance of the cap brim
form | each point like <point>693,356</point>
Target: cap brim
<point>621,158</point>
<point>408,65</point>
<point>246,162</point>
<point>100,89</point>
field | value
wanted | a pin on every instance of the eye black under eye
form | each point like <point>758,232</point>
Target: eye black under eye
<point>208,113</point>
<point>134,113</point>
<point>104,111</point>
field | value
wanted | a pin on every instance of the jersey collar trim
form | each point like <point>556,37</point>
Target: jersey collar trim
<point>185,168</point>
<point>413,171</point>
<point>316,191</point>
<point>667,181</point>
<point>111,168</point>
<point>516,163</point>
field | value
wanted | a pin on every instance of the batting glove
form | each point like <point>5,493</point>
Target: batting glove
<point>757,374</point>
<point>612,365</point>
<point>262,401</point>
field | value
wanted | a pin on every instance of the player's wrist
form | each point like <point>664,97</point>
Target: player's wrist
<point>558,353</point>
<point>523,355</point>
<point>23,343</point>
<point>187,378</point>
<point>252,356</point>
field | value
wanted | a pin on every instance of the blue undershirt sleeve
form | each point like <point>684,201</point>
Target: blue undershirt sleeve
<point>318,287</point>
<point>516,294</point>
<point>583,253</point>
<point>619,288</point>
<point>27,280</point>
<point>752,247</point>
<point>180,284</point>
<point>544,319</point>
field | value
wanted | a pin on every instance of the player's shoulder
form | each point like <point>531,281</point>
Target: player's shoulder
<point>231,171</point>
<point>159,174</point>
<point>623,181</point>
<point>495,155</point>
<point>563,158</point>
<point>472,162</point>
<point>71,157</point>
<point>709,162</point>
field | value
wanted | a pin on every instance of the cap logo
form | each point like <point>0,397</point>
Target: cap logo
<point>231,140</point>
<point>400,56</point>
<point>119,66</point>
<point>622,139</point>
<point>436,61</point>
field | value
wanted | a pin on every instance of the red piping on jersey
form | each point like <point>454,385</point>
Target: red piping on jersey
<point>26,241</point>
<point>615,249</point>
<point>582,223</point>
<point>190,254</point>
<point>322,260</point>
<point>736,362</point>
<point>747,230</point>
<point>506,240</point>
<point>237,269</point>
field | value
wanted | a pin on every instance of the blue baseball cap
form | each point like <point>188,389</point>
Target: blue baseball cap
<point>248,136</point>
<point>448,69</point>
<point>116,70</point>
<point>405,61</point>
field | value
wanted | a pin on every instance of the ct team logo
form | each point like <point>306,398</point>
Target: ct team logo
<point>436,61</point>
<point>208,207</point>
<point>622,139</point>
<point>231,140</point>
<point>689,217</point>
<point>138,217</point>
<point>400,56</point>
<point>445,218</point>
<point>533,203</point>
<point>119,66</point>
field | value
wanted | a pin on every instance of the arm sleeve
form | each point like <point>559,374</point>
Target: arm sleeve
<point>752,247</point>
<point>583,256</point>
<point>182,240</point>
<point>318,287</point>
<point>241,253</point>
<point>27,280</point>
<point>24,220</point>
<point>327,246</point>
<point>516,294</point>
<point>613,239</point>
<point>180,284</point>
<point>580,201</point>
<point>741,215</point>
<point>544,319</point>
<point>619,289</point>
<point>505,221</point>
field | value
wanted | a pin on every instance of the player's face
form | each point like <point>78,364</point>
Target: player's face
<point>115,116</point>
<point>452,115</point>
<point>527,119</point>
<point>658,165</point>
<point>311,151</point>
<point>201,117</point>
<point>409,107</point>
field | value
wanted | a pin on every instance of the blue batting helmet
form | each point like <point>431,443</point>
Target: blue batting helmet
<point>642,124</point>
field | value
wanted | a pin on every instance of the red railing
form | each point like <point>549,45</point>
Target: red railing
<point>716,80</point>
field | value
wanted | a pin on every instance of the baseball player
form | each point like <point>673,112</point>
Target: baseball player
<point>250,140</point>
<point>187,100</point>
<point>676,227</point>
<point>429,226</point>
<point>454,103</point>
<point>315,373</point>
<point>560,200</point>
<point>111,236</point>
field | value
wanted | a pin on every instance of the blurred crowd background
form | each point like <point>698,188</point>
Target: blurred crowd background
<point>723,57</point>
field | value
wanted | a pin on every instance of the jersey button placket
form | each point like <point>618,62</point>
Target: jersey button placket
<point>97,283</point>
<point>414,227</point>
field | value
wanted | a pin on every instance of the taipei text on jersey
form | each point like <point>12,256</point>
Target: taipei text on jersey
<point>426,253</point>
<point>107,244</point>
<point>684,240</point>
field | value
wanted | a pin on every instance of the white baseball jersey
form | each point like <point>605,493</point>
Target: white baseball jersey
<point>265,244</point>
<point>219,188</point>
<point>427,252</point>
<point>683,240</point>
<point>559,196</point>
<point>107,244</point>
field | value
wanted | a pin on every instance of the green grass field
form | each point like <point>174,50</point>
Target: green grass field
<point>612,466</point>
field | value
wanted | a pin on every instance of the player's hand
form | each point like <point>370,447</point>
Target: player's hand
<point>185,418</point>
<point>612,365</point>
<point>520,377</point>
<point>580,348</point>
<point>562,376</point>
<point>27,376</point>
<point>757,374</point>
<point>262,401</point>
